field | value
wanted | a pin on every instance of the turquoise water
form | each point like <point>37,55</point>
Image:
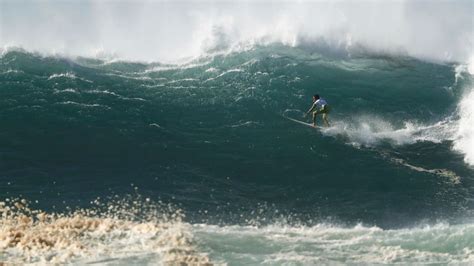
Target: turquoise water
<point>383,184</point>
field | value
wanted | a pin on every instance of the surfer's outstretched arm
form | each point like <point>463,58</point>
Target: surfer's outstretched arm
<point>311,109</point>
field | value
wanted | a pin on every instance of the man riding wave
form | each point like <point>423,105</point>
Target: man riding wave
<point>321,107</point>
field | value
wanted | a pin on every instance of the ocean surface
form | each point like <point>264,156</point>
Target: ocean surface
<point>123,162</point>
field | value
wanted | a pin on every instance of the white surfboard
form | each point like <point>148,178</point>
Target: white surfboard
<point>302,123</point>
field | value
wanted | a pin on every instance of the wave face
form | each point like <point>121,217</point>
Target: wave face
<point>391,177</point>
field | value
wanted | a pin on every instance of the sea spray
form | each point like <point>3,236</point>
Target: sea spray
<point>168,31</point>
<point>115,230</point>
<point>465,131</point>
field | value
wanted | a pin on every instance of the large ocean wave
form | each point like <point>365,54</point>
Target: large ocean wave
<point>194,117</point>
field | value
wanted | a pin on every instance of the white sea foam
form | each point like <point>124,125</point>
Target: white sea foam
<point>464,141</point>
<point>68,75</point>
<point>63,75</point>
<point>234,70</point>
<point>103,92</point>
<point>181,65</point>
<point>211,69</point>
<point>464,134</point>
<point>107,92</point>
<point>85,105</point>
<point>470,66</point>
<point>9,71</point>
<point>451,177</point>
<point>246,124</point>
<point>369,130</point>
<point>181,80</point>
<point>68,90</point>
<point>458,72</point>
<point>129,76</point>
<point>330,244</point>
<point>155,125</point>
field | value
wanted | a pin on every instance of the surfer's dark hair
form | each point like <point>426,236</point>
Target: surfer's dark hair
<point>316,96</point>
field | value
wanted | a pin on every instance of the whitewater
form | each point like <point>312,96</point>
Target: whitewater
<point>155,132</point>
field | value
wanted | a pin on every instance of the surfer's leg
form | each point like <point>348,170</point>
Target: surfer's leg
<point>325,118</point>
<point>325,112</point>
<point>314,117</point>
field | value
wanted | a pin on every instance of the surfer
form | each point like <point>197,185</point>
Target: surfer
<point>321,107</point>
